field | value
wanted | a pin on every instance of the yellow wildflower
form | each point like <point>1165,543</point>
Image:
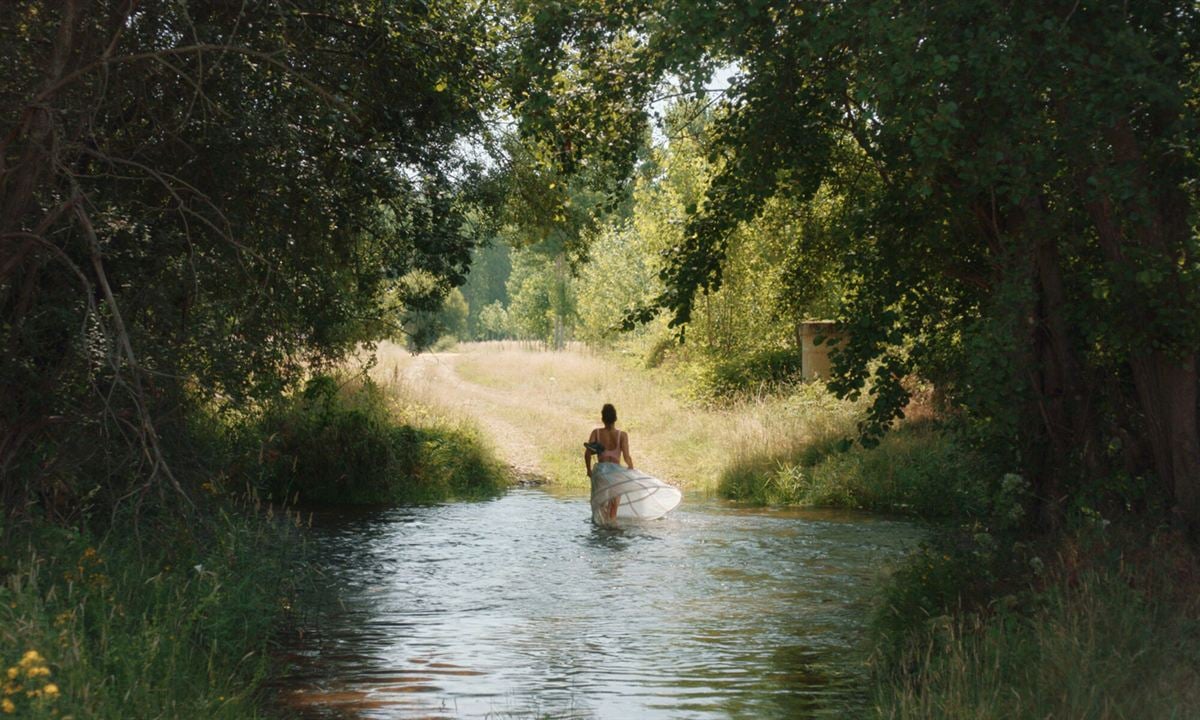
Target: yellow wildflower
<point>31,658</point>
<point>51,689</point>
<point>13,672</point>
<point>7,706</point>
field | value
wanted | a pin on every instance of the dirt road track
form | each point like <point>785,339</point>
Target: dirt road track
<point>434,373</point>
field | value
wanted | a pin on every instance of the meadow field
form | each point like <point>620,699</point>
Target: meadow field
<point>537,407</point>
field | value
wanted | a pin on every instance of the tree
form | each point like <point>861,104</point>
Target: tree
<point>493,322</point>
<point>485,285</point>
<point>1021,197</point>
<point>543,297</point>
<point>619,275</point>
<point>199,200</point>
<point>423,328</point>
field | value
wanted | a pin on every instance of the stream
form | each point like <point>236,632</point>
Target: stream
<point>519,607</point>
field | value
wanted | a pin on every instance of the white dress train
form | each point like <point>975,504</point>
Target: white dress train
<point>639,496</point>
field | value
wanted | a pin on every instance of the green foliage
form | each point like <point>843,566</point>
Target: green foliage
<point>545,208</point>
<point>423,329</point>
<point>485,287</point>
<point>918,470</point>
<point>716,380</point>
<point>620,274</point>
<point>350,441</point>
<point>542,296</point>
<point>493,322</point>
<point>198,201</point>
<point>1114,642</point>
<point>179,627</point>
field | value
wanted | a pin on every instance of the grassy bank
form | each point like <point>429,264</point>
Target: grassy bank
<point>175,624</point>
<point>163,610</point>
<point>916,470</point>
<point>1110,629</point>
<point>350,440</point>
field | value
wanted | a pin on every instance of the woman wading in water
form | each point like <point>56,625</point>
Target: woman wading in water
<point>622,492</point>
<point>609,444</point>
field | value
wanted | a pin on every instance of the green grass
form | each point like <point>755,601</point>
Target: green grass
<point>1114,640</point>
<point>354,441</point>
<point>916,470</point>
<point>177,625</point>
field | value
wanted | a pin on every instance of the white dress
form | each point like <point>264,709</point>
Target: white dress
<point>639,496</point>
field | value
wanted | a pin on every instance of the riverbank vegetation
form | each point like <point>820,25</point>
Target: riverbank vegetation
<point>177,616</point>
<point>348,440</point>
<point>206,207</point>
<point>171,620</point>
<point>203,207</point>
<point>1107,629</point>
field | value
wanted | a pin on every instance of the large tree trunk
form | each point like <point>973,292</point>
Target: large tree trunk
<point>1166,389</point>
<point>1165,380</point>
<point>1061,385</point>
<point>1059,427</point>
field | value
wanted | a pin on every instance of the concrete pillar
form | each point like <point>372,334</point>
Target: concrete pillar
<point>814,359</point>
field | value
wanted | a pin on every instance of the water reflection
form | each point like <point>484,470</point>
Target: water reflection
<point>521,607</point>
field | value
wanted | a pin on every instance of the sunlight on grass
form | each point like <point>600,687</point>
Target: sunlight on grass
<point>553,399</point>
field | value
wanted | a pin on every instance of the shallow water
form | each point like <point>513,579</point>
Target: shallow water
<point>520,607</point>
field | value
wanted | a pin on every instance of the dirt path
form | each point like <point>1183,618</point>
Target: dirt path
<point>435,374</point>
<point>537,407</point>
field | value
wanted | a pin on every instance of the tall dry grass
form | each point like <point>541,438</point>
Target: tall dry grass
<point>552,400</point>
<point>777,448</point>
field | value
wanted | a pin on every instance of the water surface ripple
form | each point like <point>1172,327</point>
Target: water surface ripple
<point>520,607</point>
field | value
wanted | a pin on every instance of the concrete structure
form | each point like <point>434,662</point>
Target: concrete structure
<point>814,359</point>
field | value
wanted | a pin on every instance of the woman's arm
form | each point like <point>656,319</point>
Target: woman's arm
<point>587,454</point>
<point>625,449</point>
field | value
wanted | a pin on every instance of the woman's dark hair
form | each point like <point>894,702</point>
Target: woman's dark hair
<point>608,414</point>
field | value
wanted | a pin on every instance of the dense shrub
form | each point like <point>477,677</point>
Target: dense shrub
<point>916,470</point>
<point>349,441</point>
<point>1106,632</point>
<point>721,379</point>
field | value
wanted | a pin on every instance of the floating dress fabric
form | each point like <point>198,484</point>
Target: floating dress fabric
<point>639,496</point>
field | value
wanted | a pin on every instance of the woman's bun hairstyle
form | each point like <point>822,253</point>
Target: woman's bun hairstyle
<point>608,414</point>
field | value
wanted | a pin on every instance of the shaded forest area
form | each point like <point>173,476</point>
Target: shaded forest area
<point>208,207</point>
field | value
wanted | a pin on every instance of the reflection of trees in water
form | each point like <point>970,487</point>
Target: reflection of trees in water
<point>521,603</point>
